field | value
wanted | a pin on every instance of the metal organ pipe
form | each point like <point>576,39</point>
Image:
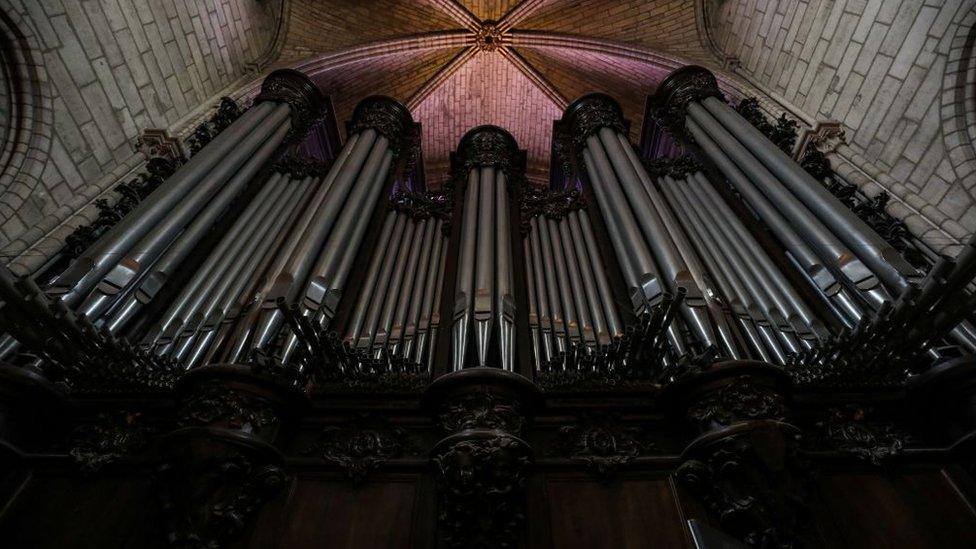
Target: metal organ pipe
<point>483,306</point>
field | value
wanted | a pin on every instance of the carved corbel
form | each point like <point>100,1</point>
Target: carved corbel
<point>220,466</point>
<point>482,464</point>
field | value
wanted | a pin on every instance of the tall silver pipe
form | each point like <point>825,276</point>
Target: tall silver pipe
<point>563,282</point>
<point>552,285</point>
<point>542,293</point>
<point>484,278</point>
<point>75,283</point>
<point>591,293</point>
<point>504,299</point>
<point>806,317</point>
<point>615,325</point>
<point>883,260</point>
<point>379,290</point>
<point>730,286</point>
<point>464,290</point>
<point>747,291</point>
<point>289,282</point>
<point>421,317</point>
<point>412,288</point>
<point>229,276</point>
<point>828,246</point>
<point>817,270</point>
<point>205,276</point>
<point>216,312</point>
<point>157,276</point>
<point>534,327</point>
<point>748,272</point>
<point>425,272</point>
<point>633,254</point>
<point>435,312</point>
<point>395,287</point>
<point>578,293</point>
<point>368,291</point>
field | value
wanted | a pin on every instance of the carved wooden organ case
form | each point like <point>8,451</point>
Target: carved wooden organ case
<point>277,339</point>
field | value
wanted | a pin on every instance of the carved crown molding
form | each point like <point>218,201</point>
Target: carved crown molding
<point>389,118</point>
<point>489,146</point>
<point>682,87</point>
<point>299,92</point>
<point>588,114</point>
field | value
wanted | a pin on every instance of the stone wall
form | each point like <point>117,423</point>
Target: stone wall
<point>104,70</point>
<point>897,73</point>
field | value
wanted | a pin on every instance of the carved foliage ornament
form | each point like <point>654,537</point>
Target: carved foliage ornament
<point>388,118</point>
<point>682,87</point>
<point>301,95</point>
<point>677,168</point>
<point>488,147</point>
<point>361,445</point>
<point>227,112</point>
<point>848,431</point>
<point>592,113</point>
<point>744,399</point>
<point>482,410</point>
<point>482,496</point>
<point>299,167</point>
<point>112,437</point>
<point>215,403</point>
<point>601,441</point>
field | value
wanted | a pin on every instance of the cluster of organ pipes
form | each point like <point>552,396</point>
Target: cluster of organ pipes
<point>483,323</point>
<point>240,258</point>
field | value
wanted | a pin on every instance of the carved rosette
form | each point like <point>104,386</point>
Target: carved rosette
<point>482,465</point>
<point>220,465</point>
<point>585,116</point>
<point>682,87</point>
<point>389,118</point>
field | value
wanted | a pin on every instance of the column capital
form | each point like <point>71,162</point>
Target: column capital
<point>585,116</point>
<point>388,117</point>
<point>681,87</point>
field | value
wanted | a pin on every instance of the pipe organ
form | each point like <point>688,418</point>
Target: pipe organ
<point>281,310</point>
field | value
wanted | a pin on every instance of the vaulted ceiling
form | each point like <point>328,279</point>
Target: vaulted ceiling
<point>513,63</point>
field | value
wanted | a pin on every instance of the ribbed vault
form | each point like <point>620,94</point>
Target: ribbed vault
<point>516,64</point>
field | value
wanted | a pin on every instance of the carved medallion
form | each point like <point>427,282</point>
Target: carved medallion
<point>847,430</point>
<point>746,398</point>
<point>602,442</point>
<point>113,437</point>
<point>361,445</point>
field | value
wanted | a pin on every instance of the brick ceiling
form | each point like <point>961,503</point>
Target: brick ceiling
<point>431,55</point>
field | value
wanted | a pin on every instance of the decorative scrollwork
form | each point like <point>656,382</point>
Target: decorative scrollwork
<point>743,399</point>
<point>227,112</point>
<point>603,442</point>
<point>299,167</point>
<point>677,168</point>
<point>482,484</point>
<point>112,437</point>
<point>782,132</point>
<point>214,403</point>
<point>421,205</point>
<point>361,445</point>
<point>488,146</point>
<point>847,430</point>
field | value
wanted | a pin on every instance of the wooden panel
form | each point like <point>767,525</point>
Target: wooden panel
<point>913,509</point>
<point>102,512</point>
<point>630,513</point>
<point>384,512</point>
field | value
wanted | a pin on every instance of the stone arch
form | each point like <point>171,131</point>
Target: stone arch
<point>28,135</point>
<point>959,98</point>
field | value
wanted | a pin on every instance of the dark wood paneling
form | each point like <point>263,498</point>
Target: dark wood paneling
<point>917,509</point>
<point>629,513</point>
<point>54,511</point>
<point>327,512</point>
